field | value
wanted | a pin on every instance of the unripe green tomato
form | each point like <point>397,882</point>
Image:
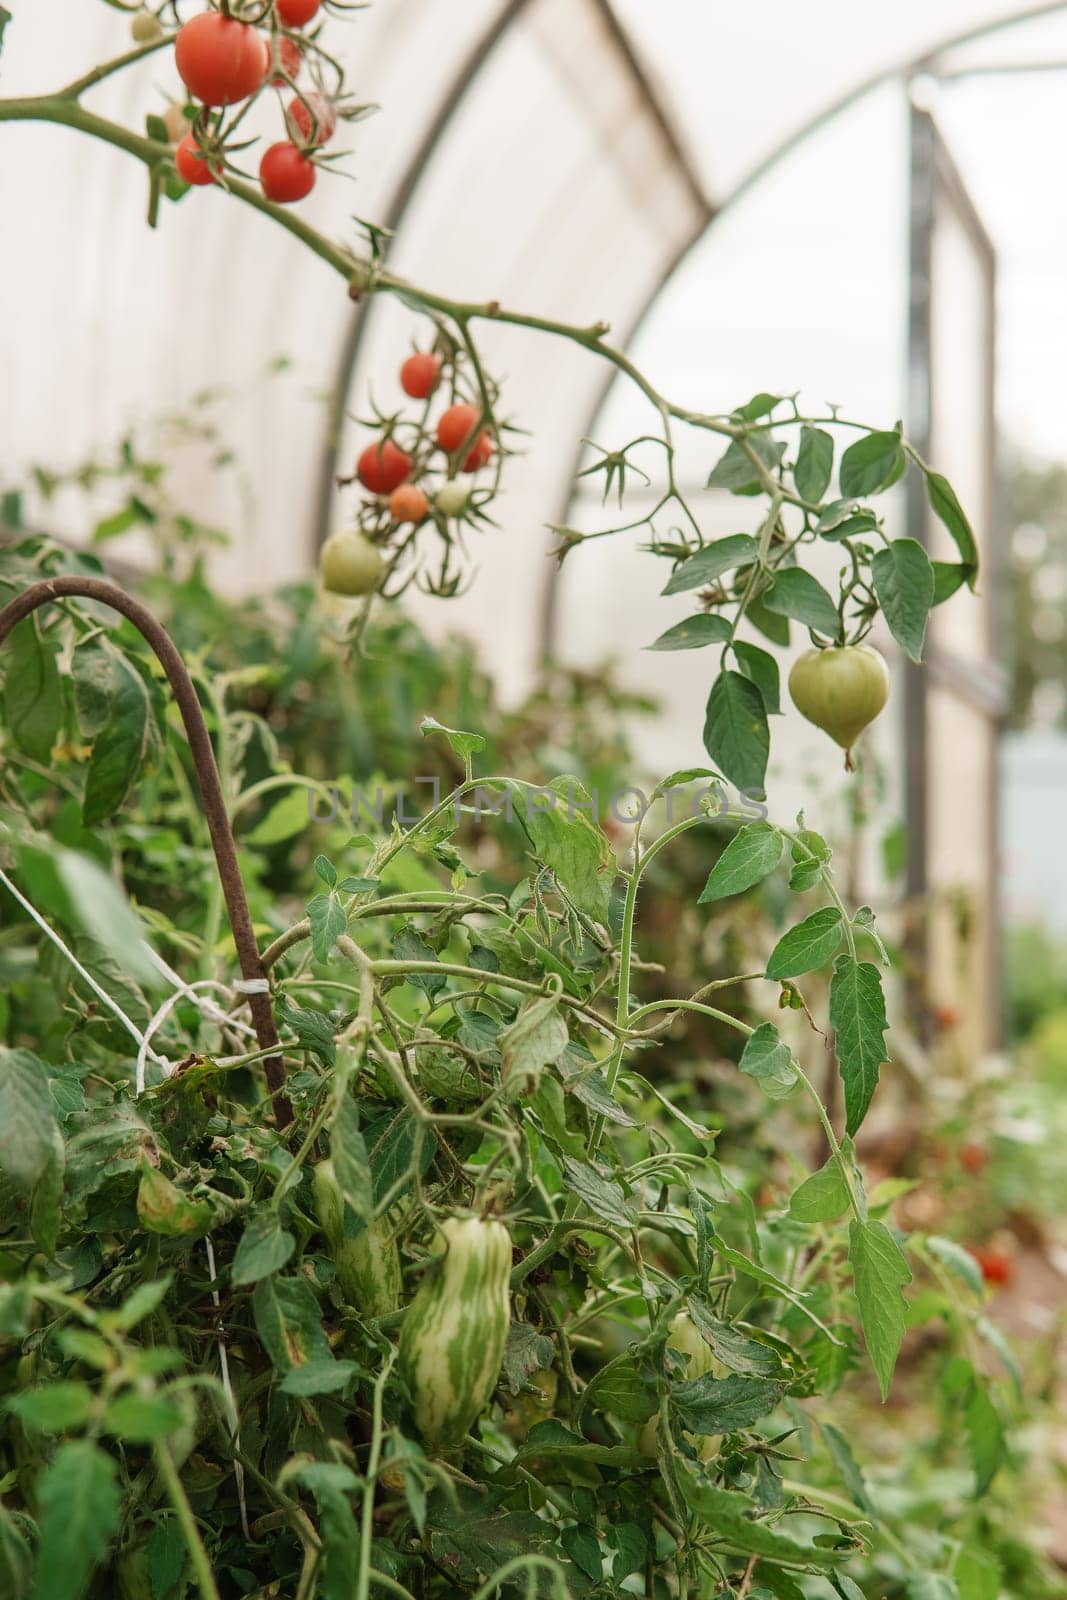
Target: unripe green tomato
<point>146,28</point>
<point>163,1208</point>
<point>452,499</point>
<point>526,1410</point>
<point>841,690</point>
<point>368,1266</point>
<point>350,564</point>
<point>133,1576</point>
<point>453,1337</point>
<point>686,1338</point>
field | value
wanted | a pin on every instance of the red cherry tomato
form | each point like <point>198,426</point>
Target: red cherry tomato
<point>285,173</point>
<point>220,60</point>
<point>456,426</point>
<point>286,60</point>
<point>295,13</point>
<point>383,467</point>
<point>191,162</point>
<point>974,1158</point>
<point>302,118</point>
<point>419,374</point>
<point>997,1267</point>
<point>480,452</point>
<point>408,503</point>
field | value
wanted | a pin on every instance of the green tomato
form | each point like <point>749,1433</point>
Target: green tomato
<point>146,28</point>
<point>840,690</point>
<point>350,564</point>
<point>452,499</point>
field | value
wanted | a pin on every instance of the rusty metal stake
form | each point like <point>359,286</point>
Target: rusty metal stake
<point>207,772</point>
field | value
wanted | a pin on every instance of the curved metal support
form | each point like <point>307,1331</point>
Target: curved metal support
<point>207,772</point>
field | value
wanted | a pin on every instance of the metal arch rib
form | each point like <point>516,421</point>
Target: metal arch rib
<point>451,102</point>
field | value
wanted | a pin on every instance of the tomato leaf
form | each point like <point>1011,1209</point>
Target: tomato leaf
<point>265,1247</point>
<point>762,669</point>
<point>722,1405</point>
<point>33,695</point>
<point>122,749</point>
<point>693,633</point>
<point>28,1128</point>
<point>808,945</point>
<point>736,736</point>
<point>711,562</point>
<point>857,1015</point>
<point>753,852</point>
<point>767,1059</point>
<point>79,1513</point>
<point>821,1198</point>
<point>904,583</point>
<point>879,1273</point>
<point>795,593</point>
<point>871,465</point>
<point>943,500</point>
<point>815,464</point>
<point>735,469</point>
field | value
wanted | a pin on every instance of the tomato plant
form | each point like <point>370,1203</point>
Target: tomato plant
<point>427,1231</point>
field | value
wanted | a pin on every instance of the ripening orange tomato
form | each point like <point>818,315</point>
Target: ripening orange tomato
<point>420,374</point>
<point>408,503</point>
<point>456,426</point>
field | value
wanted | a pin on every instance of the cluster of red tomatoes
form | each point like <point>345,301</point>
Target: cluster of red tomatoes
<point>222,61</point>
<point>351,563</point>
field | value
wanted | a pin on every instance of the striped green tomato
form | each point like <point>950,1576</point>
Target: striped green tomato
<point>368,1265</point>
<point>453,1337</point>
<point>686,1338</point>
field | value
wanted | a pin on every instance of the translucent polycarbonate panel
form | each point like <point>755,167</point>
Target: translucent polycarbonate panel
<point>962,333</point>
<point>575,217</point>
<point>963,870</point>
<point>1007,134</point>
<point>746,79</point>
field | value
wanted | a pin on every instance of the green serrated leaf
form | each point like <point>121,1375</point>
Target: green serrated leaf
<point>265,1247</point>
<point>28,1128</point>
<point>815,464</point>
<point>808,945</point>
<point>737,550</point>
<point>694,633</point>
<point>871,465</point>
<point>328,922</point>
<point>737,471</point>
<point>904,583</point>
<point>879,1273</point>
<point>33,695</point>
<point>79,1514</point>
<point>947,507</point>
<point>857,1016</point>
<point>797,594</point>
<point>753,852</point>
<point>821,1198</point>
<point>736,736</point>
<point>767,1059</point>
<point>762,668</point>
